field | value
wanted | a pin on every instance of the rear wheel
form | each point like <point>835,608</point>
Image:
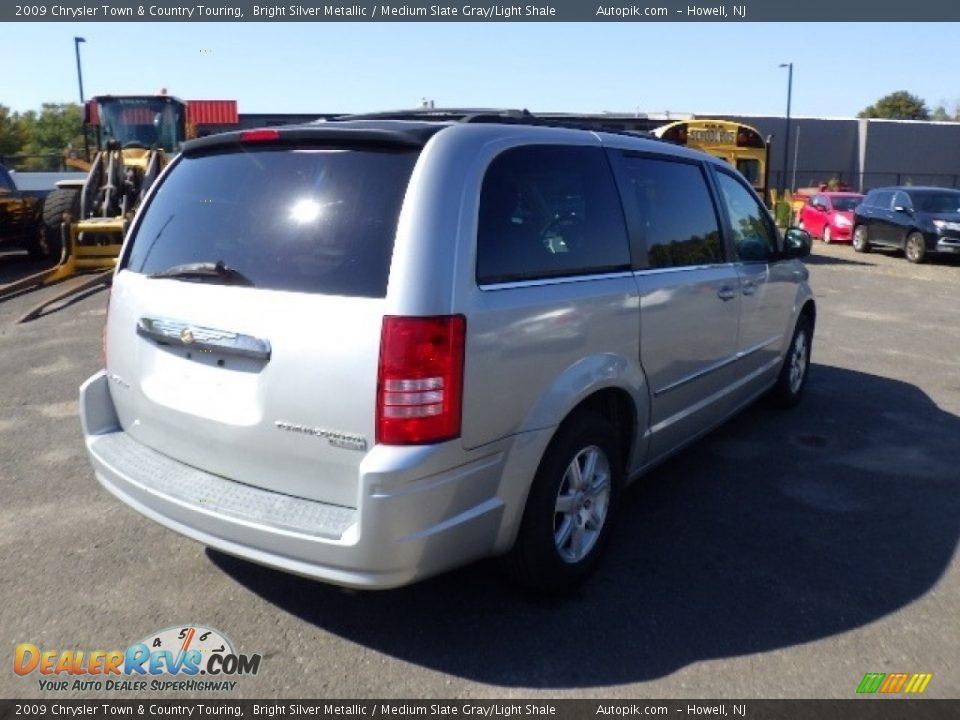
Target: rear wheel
<point>568,514</point>
<point>58,203</point>
<point>826,234</point>
<point>860,242</point>
<point>38,246</point>
<point>915,248</point>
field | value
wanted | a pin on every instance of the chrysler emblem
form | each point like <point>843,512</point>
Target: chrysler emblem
<point>186,336</point>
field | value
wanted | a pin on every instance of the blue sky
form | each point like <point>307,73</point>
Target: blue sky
<point>839,68</point>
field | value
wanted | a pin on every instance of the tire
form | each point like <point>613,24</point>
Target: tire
<point>567,518</point>
<point>57,203</point>
<point>826,235</point>
<point>915,248</point>
<point>37,245</point>
<point>860,242</point>
<point>792,380</point>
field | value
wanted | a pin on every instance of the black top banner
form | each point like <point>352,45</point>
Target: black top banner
<point>851,11</point>
<point>864,709</point>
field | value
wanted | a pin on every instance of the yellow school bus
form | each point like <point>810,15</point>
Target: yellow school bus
<point>740,145</point>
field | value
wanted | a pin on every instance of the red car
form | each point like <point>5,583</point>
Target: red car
<point>829,215</point>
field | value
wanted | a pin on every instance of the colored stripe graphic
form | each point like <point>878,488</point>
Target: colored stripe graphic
<point>894,683</point>
<point>918,683</point>
<point>871,682</point>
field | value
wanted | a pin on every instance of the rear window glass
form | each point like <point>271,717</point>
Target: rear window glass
<point>304,220</point>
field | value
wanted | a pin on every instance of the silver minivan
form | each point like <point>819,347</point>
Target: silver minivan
<point>372,350</point>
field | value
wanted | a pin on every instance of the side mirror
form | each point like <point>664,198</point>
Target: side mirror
<point>796,243</point>
<point>901,208</point>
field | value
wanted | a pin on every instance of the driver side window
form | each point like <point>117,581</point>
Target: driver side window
<point>754,236</point>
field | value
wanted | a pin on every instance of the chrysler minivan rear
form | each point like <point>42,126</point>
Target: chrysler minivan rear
<point>251,368</point>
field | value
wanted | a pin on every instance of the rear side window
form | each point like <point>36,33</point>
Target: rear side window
<point>902,200</point>
<point>676,214</point>
<point>303,220</point>
<point>880,199</point>
<point>549,211</point>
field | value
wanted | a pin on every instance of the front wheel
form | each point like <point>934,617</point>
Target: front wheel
<point>60,205</point>
<point>568,514</point>
<point>915,248</point>
<point>860,242</point>
<point>796,366</point>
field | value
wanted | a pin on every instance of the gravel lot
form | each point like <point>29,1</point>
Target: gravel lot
<point>785,555</point>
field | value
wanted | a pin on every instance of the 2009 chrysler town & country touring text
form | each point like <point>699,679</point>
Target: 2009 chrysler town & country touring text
<point>371,350</point>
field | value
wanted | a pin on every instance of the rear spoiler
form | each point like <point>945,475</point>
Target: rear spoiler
<point>321,135</point>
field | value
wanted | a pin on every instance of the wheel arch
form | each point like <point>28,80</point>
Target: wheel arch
<point>616,406</point>
<point>809,309</point>
<point>623,406</point>
<point>608,384</point>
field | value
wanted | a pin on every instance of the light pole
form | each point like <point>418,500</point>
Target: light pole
<point>786,142</point>
<point>86,143</point>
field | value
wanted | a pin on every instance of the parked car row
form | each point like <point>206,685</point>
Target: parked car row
<point>919,221</point>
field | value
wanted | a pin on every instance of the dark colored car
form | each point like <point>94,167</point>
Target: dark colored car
<point>917,220</point>
<point>19,217</point>
<point>829,215</point>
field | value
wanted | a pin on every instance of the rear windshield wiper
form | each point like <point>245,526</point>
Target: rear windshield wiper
<point>203,271</point>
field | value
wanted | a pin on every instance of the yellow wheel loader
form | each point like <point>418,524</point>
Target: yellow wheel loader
<point>84,221</point>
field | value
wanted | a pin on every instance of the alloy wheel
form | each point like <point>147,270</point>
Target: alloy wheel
<point>582,504</point>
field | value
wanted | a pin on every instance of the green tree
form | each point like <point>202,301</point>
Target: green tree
<point>940,113</point>
<point>49,132</point>
<point>11,137</point>
<point>943,115</point>
<point>899,105</point>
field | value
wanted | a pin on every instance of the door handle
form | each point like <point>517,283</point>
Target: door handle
<point>726,293</point>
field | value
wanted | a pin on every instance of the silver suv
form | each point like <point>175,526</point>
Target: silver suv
<point>371,350</point>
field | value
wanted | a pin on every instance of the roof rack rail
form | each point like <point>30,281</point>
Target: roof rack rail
<point>487,115</point>
<point>441,114</point>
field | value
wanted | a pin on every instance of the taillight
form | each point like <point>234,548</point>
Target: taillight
<point>263,135</point>
<point>420,379</point>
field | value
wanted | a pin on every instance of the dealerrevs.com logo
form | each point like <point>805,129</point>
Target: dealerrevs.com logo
<point>183,658</point>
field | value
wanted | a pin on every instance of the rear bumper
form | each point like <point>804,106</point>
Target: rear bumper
<point>407,524</point>
<point>841,233</point>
